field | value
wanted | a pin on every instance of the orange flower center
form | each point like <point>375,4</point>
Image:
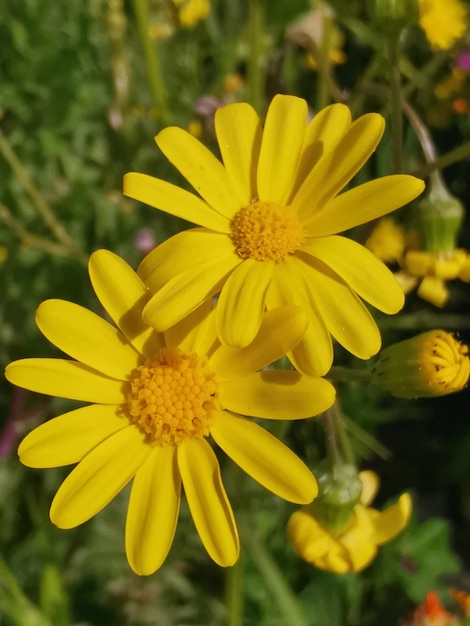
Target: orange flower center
<point>172,397</point>
<point>265,231</point>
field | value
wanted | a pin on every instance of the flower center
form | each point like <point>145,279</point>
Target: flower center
<point>450,361</point>
<point>172,397</point>
<point>265,231</point>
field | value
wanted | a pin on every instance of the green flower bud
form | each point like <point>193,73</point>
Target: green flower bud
<point>339,490</point>
<point>431,364</point>
<point>438,218</point>
<point>393,15</point>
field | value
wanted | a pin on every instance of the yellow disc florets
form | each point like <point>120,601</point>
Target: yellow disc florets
<point>172,397</point>
<point>265,231</point>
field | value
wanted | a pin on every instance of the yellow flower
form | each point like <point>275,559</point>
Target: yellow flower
<point>430,364</point>
<point>155,398</point>
<point>387,240</point>
<point>443,21</point>
<point>191,12</point>
<point>269,218</point>
<point>354,548</point>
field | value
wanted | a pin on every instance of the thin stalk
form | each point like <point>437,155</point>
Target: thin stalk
<point>281,593</point>
<point>343,436</point>
<point>152,61</point>
<point>396,119</point>
<point>255,70</point>
<point>449,158</point>
<point>38,201</point>
<point>234,593</point>
<point>334,454</point>
<point>342,374</point>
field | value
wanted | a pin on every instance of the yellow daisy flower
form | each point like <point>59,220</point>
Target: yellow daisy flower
<point>443,21</point>
<point>269,218</point>
<point>353,549</point>
<point>155,400</point>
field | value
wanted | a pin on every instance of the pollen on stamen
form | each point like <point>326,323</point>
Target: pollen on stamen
<point>266,231</point>
<point>172,397</point>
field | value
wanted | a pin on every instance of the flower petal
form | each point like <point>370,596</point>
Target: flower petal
<point>370,486</point>
<point>310,540</point>
<point>99,477</point>
<point>346,317</point>
<point>360,269</point>
<point>68,438</point>
<point>322,134</point>
<point>196,332</point>
<point>240,306</point>
<point>208,502</point>
<point>239,135</point>
<point>364,203</point>
<point>186,291</point>
<point>201,169</point>
<point>123,296</point>
<point>173,200</point>
<point>277,394</point>
<point>283,135</point>
<point>281,329</point>
<point>393,520</point>
<point>313,355</point>
<point>65,379</point>
<point>153,511</point>
<point>264,458</point>
<point>336,169</point>
<point>86,337</point>
<point>178,254</point>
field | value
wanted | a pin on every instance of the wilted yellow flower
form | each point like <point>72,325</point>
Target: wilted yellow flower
<point>352,549</point>
<point>431,364</point>
<point>269,218</point>
<point>155,400</point>
<point>387,240</point>
<point>443,21</point>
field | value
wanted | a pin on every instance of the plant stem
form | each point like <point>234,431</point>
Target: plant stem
<point>342,374</point>
<point>396,119</point>
<point>449,158</point>
<point>255,71</point>
<point>37,199</point>
<point>282,594</point>
<point>154,74</point>
<point>234,593</point>
<point>334,455</point>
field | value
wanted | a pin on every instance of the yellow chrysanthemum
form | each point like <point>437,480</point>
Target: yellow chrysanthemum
<point>155,400</point>
<point>269,217</point>
<point>354,548</point>
<point>443,21</point>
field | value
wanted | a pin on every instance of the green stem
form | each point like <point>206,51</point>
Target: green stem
<point>255,71</point>
<point>334,454</point>
<point>234,593</point>
<point>154,74</point>
<point>343,436</point>
<point>396,119</point>
<point>282,594</point>
<point>37,198</point>
<point>345,375</point>
<point>449,158</point>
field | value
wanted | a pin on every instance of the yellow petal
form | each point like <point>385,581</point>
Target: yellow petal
<point>68,438</point>
<point>310,540</point>
<point>313,355</point>
<point>338,167</point>
<point>99,477</point>
<point>196,332</point>
<point>201,169</point>
<point>393,520</point>
<point>370,486</point>
<point>87,338</point>
<point>153,511</point>
<point>173,200</point>
<point>65,379</point>
<point>323,133</point>
<point>208,502</point>
<point>283,135</point>
<point>239,137</point>
<point>277,394</point>
<point>360,269</point>
<point>178,254</point>
<point>240,306</point>
<point>123,296</point>
<point>346,317</point>
<point>186,291</point>
<point>281,329</point>
<point>264,458</point>
<point>363,204</point>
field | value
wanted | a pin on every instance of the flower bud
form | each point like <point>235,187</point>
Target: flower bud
<point>438,218</point>
<point>431,364</point>
<point>339,490</point>
<point>393,15</point>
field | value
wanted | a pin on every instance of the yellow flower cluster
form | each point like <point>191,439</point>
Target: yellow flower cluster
<point>175,373</point>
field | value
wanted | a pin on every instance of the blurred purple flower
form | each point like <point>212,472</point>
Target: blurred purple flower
<point>144,240</point>
<point>463,60</point>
